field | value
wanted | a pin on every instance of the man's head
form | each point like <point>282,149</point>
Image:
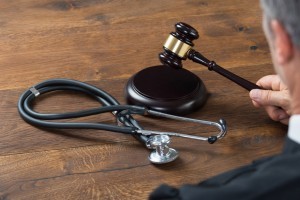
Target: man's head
<point>282,28</point>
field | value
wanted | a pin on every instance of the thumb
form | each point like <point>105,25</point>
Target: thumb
<point>266,97</point>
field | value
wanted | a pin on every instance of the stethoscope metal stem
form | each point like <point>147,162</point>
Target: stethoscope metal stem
<point>148,133</point>
<point>221,125</point>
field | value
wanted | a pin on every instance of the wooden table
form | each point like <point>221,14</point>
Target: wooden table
<point>104,43</point>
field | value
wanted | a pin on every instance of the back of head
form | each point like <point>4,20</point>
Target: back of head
<point>288,13</point>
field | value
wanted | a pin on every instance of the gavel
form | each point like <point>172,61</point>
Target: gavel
<point>179,46</point>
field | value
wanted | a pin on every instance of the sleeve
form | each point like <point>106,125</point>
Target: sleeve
<point>276,177</point>
<point>214,188</point>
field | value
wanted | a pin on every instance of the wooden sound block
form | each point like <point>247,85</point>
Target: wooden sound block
<point>165,89</point>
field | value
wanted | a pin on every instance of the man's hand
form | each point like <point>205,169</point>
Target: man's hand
<point>275,98</point>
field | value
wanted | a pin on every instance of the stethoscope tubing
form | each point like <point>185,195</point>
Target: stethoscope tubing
<point>109,103</point>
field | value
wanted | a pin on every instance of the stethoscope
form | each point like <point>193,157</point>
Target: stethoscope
<point>157,141</point>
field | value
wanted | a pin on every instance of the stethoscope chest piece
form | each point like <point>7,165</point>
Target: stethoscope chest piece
<point>161,153</point>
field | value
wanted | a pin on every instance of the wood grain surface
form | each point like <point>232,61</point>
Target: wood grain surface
<point>105,42</point>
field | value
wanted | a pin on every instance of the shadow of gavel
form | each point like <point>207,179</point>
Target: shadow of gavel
<point>178,47</point>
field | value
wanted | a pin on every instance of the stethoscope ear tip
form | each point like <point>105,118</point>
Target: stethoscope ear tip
<point>212,139</point>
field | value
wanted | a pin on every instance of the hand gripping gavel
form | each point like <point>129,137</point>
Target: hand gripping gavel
<point>178,47</point>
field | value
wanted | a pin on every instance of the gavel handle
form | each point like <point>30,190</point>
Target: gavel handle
<point>199,58</point>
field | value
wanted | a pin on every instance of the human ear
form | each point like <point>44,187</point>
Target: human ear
<point>282,42</point>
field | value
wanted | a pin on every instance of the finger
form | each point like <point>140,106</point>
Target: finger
<point>270,82</point>
<point>276,114</point>
<point>256,104</point>
<point>285,121</point>
<point>270,98</point>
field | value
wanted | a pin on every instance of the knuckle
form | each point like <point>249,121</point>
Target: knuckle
<point>285,121</point>
<point>286,100</point>
<point>285,103</point>
<point>273,114</point>
<point>268,96</point>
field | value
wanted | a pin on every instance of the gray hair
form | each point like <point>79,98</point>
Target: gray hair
<point>288,13</point>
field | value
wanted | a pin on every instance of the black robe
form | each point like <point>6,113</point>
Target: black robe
<point>276,177</point>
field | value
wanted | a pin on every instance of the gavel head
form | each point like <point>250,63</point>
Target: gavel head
<point>178,44</point>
